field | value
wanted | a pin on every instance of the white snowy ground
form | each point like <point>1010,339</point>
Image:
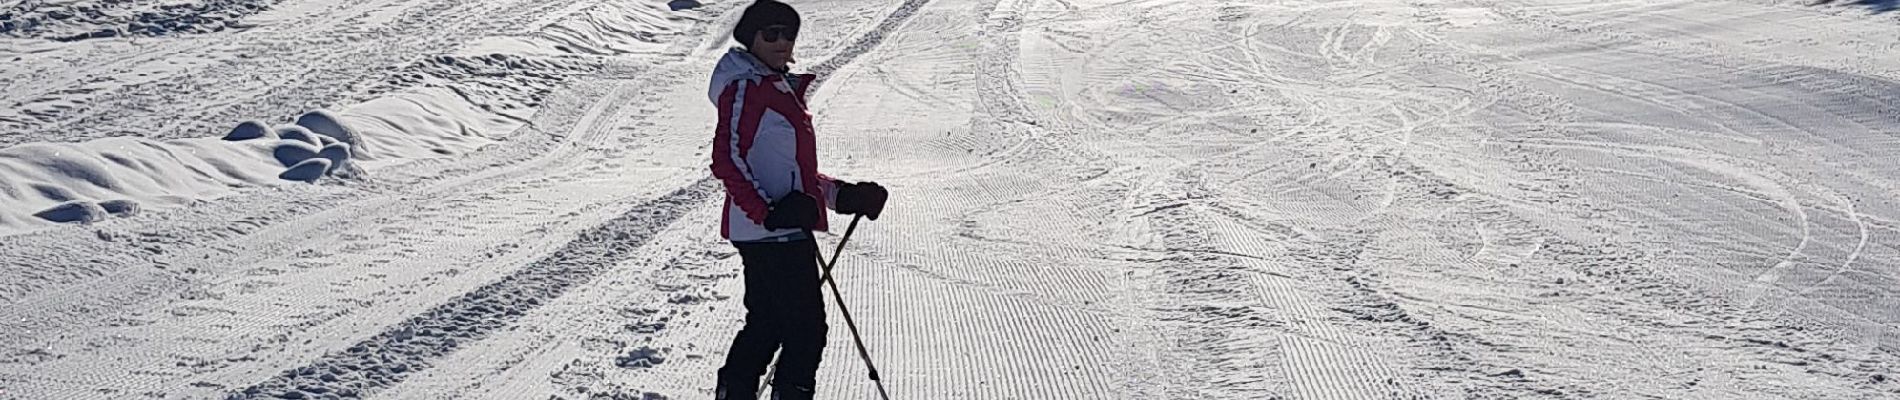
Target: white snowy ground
<point>1092,199</point>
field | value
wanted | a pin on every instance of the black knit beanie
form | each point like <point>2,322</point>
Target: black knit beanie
<point>762,14</point>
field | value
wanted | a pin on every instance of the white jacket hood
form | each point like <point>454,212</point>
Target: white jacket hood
<point>735,65</point>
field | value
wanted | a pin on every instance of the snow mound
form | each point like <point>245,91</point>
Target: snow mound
<point>298,133</point>
<point>508,84</point>
<point>490,98</point>
<point>297,156</point>
<point>307,171</point>
<point>426,123</point>
<point>120,208</point>
<point>677,5</point>
<point>248,130</point>
<point>41,182</point>
<point>337,153</point>
<point>76,211</point>
<point>326,124</point>
<point>290,152</point>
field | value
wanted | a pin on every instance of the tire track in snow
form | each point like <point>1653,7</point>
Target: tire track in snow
<point>409,346</point>
<point>865,43</point>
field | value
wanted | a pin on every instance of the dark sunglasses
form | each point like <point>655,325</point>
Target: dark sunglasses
<point>774,32</point>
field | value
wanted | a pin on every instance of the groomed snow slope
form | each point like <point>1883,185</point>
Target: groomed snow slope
<point>1091,199</point>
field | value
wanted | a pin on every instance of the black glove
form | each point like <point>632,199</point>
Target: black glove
<point>796,210</point>
<point>862,198</point>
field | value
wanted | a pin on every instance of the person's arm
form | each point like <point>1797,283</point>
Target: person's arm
<point>830,187</point>
<point>728,162</point>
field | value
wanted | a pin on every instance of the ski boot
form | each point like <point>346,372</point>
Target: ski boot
<point>736,389</point>
<point>791,393</point>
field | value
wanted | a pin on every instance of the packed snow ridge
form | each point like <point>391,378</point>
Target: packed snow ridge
<point>89,182</point>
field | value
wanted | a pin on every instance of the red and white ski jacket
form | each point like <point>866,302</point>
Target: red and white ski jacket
<point>763,147</point>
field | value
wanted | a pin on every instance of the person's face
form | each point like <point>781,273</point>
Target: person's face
<point>773,45</point>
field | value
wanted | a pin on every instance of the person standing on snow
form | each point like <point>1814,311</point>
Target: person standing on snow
<point>765,153</point>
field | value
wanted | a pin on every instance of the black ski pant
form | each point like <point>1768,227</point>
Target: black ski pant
<point>784,310</point>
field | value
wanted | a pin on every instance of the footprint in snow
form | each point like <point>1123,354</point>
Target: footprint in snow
<point>643,357</point>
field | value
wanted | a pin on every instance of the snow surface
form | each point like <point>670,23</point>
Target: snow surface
<point>1091,199</point>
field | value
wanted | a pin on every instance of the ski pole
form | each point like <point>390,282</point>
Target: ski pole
<point>846,312</point>
<point>826,276</point>
<point>826,279</point>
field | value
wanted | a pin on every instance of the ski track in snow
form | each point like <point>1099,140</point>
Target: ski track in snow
<point>367,365</point>
<point>1229,199</point>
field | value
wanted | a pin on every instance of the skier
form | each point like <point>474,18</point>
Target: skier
<point>764,152</point>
